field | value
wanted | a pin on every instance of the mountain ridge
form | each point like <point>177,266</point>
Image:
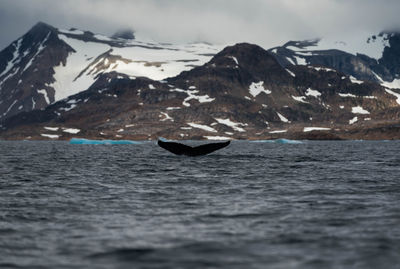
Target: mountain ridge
<point>242,92</point>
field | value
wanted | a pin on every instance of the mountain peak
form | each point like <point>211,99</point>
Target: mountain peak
<point>39,31</point>
<point>247,55</point>
<point>42,26</point>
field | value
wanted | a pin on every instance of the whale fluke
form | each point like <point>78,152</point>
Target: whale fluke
<point>181,149</point>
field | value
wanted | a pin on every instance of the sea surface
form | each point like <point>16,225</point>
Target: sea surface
<point>251,205</point>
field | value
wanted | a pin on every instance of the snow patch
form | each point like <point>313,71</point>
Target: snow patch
<point>11,63</point>
<point>310,129</point>
<point>290,72</point>
<point>67,79</point>
<point>54,129</point>
<point>282,118</point>
<point>72,106</point>
<point>233,125</point>
<point>234,59</point>
<point>395,94</point>
<point>166,117</point>
<point>323,69</point>
<point>359,110</point>
<point>257,87</point>
<point>314,93</point>
<point>15,70</point>
<point>278,132</point>
<point>192,95</point>
<point>39,50</point>
<point>46,97</point>
<point>300,99</point>
<point>290,61</point>
<point>203,127</point>
<point>300,60</point>
<point>10,107</point>
<point>356,81</point>
<point>71,130</point>
<point>353,120</point>
<point>347,95</point>
<point>52,136</point>
<point>217,138</point>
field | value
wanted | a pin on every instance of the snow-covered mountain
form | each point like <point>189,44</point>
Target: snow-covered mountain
<point>241,93</point>
<point>373,57</point>
<point>59,83</point>
<point>49,64</point>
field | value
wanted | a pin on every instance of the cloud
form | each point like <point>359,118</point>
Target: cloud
<point>264,22</point>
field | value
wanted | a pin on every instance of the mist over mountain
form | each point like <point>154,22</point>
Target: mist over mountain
<point>268,23</point>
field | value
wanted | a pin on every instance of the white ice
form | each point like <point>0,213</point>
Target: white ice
<point>66,77</point>
<point>282,118</point>
<point>203,127</point>
<point>52,136</point>
<point>54,129</point>
<point>234,59</point>
<point>309,129</point>
<point>290,72</point>
<point>278,132</point>
<point>300,99</point>
<point>11,63</point>
<point>359,110</point>
<point>354,80</point>
<point>166,117</point>
<point>192,95</point>
<point>353,120</point>
<point>44,92</point>
<point>257,87</point>
<point>217,138</point>
<point>323,69</point>
<point>39,50</point>
<point>395,94</point>
<point>347,95</point>
<point>71,130</point>
<point>233,125</point>
<point>314,93</point>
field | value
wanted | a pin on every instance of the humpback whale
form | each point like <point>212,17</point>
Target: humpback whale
<point>181,149</point>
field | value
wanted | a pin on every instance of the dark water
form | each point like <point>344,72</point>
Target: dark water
<point>314,205</point>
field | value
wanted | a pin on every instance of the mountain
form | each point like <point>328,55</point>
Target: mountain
<point>49,64</point>
<point>241,92</point>
<point>373,58</point>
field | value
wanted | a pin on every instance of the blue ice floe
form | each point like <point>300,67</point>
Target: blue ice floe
<point>83,141</point>
<point>279,141</point>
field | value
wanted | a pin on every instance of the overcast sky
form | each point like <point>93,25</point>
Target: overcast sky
<point>264,22</point>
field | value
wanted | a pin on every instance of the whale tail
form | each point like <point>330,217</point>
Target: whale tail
<point>181,149</point>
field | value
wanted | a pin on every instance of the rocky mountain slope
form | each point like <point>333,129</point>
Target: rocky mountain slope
<point>374,58</point>
<point>242,92</point>
<point>49,64</point>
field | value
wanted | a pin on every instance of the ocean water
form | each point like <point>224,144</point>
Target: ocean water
<point>251,205</point>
